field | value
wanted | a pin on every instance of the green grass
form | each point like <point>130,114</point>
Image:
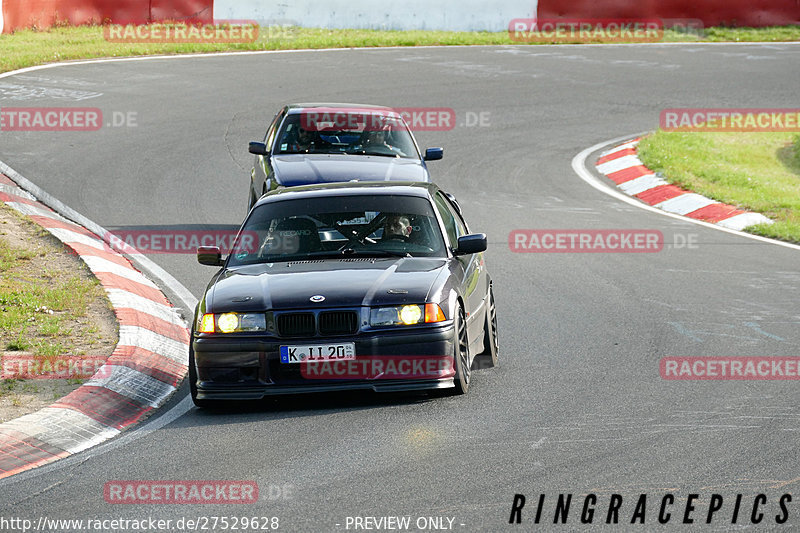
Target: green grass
<point>31,47</point>
<point>755,171</point>
<point>40,303</point>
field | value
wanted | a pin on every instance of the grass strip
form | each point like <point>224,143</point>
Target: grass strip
<point>755,171</point>
<point>27,48</point>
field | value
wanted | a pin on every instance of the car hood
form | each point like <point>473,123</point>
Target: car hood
<point>343,283</point>
<point>296,169</point>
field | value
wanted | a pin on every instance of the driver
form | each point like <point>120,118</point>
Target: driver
<point>304,141</point>
<point>381,139</point>
<point>396,227</point>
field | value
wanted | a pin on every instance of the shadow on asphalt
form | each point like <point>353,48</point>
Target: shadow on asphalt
<point>300,405</point>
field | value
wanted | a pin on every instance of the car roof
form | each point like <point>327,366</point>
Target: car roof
<point>296,109</point>
<point>301,106</point>
<point>351,188</point>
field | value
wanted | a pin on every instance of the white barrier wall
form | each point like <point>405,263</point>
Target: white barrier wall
<point>454,15</point>
<point>1,16</point>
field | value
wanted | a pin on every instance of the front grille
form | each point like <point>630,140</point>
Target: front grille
<point>296,325</point>
<point>338,322</point>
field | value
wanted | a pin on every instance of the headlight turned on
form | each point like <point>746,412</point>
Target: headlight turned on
<point>231,323</point>
<point>406,315</point>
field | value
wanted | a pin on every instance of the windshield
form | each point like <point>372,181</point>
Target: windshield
<point>346,132</point>
<point>339,227</point>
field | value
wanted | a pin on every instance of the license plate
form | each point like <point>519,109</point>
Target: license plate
<point>318,352</point>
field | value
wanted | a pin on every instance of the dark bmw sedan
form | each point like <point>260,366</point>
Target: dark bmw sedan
<point>345,286</point>
<point>320,143</point>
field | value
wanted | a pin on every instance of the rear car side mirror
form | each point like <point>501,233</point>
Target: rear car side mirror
<point>258,148</point>
<point>471,244</point>
<point>432,154</point>
<point>209,255</point>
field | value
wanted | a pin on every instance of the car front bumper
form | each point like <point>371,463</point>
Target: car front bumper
<point>249,367</point>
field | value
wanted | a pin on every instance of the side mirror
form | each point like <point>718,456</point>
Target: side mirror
<point>258,148</point>
<point>471,244</point>
<point>433,154</point>
<point>209,255</point>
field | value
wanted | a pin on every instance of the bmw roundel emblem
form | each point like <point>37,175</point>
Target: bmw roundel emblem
<point>317,298</point>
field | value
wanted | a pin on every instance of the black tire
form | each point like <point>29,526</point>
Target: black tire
<point>193,383</point>
<point>461,360</point>
<point>491,346</point>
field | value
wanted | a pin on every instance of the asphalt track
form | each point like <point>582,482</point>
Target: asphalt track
<point>577,404</point>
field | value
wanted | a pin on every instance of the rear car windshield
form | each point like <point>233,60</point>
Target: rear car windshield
<point>360,133</point>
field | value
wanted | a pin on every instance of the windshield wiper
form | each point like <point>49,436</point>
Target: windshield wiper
<point>375,253</point>
<point>381,154</point>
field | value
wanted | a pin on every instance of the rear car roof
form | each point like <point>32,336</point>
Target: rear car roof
<point>403,188</point>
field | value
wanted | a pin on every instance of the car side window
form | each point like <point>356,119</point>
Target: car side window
<point>453,224</point>
<point>273,128</point>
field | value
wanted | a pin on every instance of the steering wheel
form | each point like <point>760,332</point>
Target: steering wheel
<point>354,236</point>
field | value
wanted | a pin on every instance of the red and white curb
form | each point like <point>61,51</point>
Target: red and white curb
<point>148,363</point>
<point>622,166</point>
